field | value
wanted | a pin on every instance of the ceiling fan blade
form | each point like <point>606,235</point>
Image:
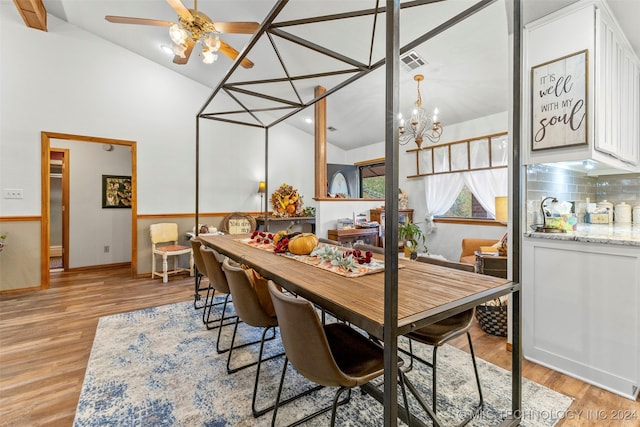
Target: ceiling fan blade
<point>237,27</point>
<point>180,9</point>
<point>187,53</point>
<point>226,49</point>
<point>139,21</point>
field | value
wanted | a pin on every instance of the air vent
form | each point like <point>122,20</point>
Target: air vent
<point>412,60</point>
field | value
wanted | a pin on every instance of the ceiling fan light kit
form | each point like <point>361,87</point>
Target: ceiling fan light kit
<point>195,27</point>
<point>421,125</point>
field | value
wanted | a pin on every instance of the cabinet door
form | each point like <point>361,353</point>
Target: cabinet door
<point>607,51</point>
<point>580,311</point>
<point>617,94</point>
<point>629,108</point>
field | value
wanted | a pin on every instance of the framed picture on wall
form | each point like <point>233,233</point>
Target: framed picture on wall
<point>559,102</point>
<point>116,191</point>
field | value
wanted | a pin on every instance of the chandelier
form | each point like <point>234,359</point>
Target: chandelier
<point>199,29</point>
<point>420,125</point>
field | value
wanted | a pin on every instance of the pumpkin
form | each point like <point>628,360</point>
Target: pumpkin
<point>303,244</point>
<point>279,235</point>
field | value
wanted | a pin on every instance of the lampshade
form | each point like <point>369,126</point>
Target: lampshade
<point>262,187</point>
<point>502,209</point>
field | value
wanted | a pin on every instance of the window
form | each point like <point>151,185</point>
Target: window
<point>372,180</point>
<point>466,206</point>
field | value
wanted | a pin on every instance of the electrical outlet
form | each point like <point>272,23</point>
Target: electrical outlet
<point>15,193</point>
<point>106,249</point>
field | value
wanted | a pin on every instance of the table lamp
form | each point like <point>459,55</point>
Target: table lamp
<point>262,188</point>
<point>502,216</point>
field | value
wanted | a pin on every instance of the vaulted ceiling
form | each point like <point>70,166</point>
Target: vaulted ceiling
<point>466,70</point>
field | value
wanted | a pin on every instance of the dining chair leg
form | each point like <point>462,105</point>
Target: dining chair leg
<point>234,347</point>
<point>197,289</point>
<point>208,306</point>
<point>259,412</point>
<point>165,269</point>
<point>335,404</point>
<point>413,356</point>
<point>422,403</point>
<point>280,403</point>
<point>405,400</point>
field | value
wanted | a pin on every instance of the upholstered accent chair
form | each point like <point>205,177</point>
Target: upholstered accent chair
<point>471,245</point>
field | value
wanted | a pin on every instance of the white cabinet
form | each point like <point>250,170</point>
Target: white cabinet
<point>581,311</point>
<point>617,93</point>
<point>613,84</point>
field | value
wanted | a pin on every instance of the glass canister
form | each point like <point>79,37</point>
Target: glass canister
<point>623,213</point>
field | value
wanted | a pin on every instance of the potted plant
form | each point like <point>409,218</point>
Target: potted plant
<point>411,234</point>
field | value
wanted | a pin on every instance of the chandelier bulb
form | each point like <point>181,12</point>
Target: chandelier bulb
<point>212,41</point>
<point>179,50</point>
<point>208,57</point>
<point>178,34</point>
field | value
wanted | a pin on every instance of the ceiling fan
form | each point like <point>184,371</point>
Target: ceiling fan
<point>192,27</point>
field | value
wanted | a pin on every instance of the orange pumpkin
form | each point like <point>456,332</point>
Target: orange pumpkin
<point>291,209</point>
<point>303,244</point>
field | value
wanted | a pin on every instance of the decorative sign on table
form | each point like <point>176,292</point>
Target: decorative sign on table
<point>559,102</point>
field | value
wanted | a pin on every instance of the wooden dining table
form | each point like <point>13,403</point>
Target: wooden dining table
<point>427,293</point>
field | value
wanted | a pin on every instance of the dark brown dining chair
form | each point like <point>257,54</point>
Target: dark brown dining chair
<point>199,274</point>
<point>443,331</point>
<point>332,355</point>
<point>217,283</point>
<point>253,313</point>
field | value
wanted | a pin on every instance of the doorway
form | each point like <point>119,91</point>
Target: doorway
<point>59,209</point>
<point>49,218</point>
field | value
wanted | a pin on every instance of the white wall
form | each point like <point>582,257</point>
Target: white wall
<point>91,227</point>
<point>69,81</point>
<point>116,94</point>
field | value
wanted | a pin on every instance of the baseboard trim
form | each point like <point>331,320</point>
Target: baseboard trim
<point>19,290</point>
<point>100,267</point>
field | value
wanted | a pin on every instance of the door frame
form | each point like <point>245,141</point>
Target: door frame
<point>65,203</point>
<point>45,138</point>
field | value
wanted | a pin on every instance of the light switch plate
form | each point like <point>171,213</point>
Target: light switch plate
<point>13,193</point>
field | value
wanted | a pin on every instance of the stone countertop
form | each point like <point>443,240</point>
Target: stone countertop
<point>626,235</point>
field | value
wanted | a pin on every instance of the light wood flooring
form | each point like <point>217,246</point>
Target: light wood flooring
<point>46,339</point>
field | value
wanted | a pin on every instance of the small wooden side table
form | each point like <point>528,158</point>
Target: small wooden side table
<point>491,265</point>
<point>367,235</point>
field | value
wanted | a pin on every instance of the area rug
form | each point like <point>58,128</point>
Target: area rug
<point>159,367</point>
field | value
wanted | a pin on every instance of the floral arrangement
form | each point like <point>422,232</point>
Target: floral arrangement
<point>347,260</point>
<point>3,238</point>
<point>286,202</point>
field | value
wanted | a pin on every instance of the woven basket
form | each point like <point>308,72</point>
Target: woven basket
<point>493,319</point>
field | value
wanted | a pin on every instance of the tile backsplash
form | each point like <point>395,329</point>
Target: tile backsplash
<point>547,180</point>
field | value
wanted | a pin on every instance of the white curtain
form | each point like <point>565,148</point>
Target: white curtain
<point>441,191</point>
<point>486,185</point>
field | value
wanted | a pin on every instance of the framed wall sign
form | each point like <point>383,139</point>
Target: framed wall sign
<point>116,191</point>
<point>559,102</point>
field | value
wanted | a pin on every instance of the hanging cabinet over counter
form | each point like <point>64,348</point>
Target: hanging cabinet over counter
<point>612,85</point>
